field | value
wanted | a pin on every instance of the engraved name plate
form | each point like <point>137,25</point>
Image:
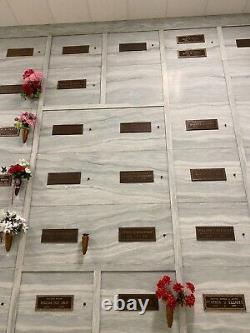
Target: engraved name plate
<point>224,302</point>
<point>22,52</point>
<point>202,125</point>
<point>153,304</point>
<point>67,129</point>
<point>205,175</point>
<point>59,236</point>
<point>243,42</point>
<point>188,39</point>
<point>137,234</point>
<point>197,53</point>
<point>5,180</point>
<point>11,89</point>
<point>54,302</point>
<point>72,84</point>
<point>64,178</point>
<point>136,177</point>
<point>215,233</point>
<point>75,49</point>
<point>126,47</point>
<point>139,127</point>
<point>9,132</point>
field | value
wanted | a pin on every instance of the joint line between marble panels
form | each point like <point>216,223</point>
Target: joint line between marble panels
<point>104,68</point>
<point>96,301</point>
<point>28,197</point>
<point>235,115</point>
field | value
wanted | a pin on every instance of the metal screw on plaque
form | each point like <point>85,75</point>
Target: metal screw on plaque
<point>90,129</point>
<point>93,85</point>
<point>84,304</point>
<point>88,178</point>
<point>95,48</point>
<point>153,44</point>
<point>158,126</point>
<point>225,125</point>
<point>243,234</point>
<point>161,177</point>
<point>234,174</point>
<point>164,235</point>
<point>2,304</point>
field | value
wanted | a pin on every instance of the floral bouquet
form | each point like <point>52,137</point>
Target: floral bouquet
<point>32,85</point>
<point>11,224</point>
<point>175,293</point>
<point>24,122</point>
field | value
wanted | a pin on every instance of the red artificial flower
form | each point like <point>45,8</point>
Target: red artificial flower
<point>190,300</point>
<point>27,73</point>
<point>171,301</point>
<point>27,89</point>
<point>15,169</point>
<point>178,287</point>
<point>190,286</point>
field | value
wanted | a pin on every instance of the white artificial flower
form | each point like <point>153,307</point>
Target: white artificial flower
<point>2,214</point>
<point>27,170</point>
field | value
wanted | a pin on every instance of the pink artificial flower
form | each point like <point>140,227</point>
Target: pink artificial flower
<point>190,286</point>
<point>27,73</point>
<point>35,76</point>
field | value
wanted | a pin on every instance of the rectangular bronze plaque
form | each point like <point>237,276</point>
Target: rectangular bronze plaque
<point>59,236</point>
<point>71,84</point>
<point>136,177</point>
<point>202,125</point>
<point>126,47</point>
<point>54,302</point>
<point>137,234</point>
<point>75,49</point>
<point>140,127</point>
<point>5,180</point>
<point>9,131</point>
<point>11,89</point>
<point>224,302</point>
<point>211,233</point>
<point>197,53</point>
<point>243,42</point>
<point>206,175</point>
<point>188,39</point>
<point>22,52</point>
<point>153,304</point>
<point>67,129</point>
<point>64,178</point>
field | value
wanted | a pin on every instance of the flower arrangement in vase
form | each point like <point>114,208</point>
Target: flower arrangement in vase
<point>18,172</point>
<point>24,122</point>
<point>11,225</point>
<point>174,294</point>
<point>32,86</point>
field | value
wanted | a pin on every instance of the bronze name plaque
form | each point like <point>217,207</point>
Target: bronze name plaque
<point>188,39</point>
<point>5,180</point>
<point>22,52</point>
<point>243,42</point>
<point>9,132</point>
<point>59,236</point>
<point>224,302</point>
<point>136,177</point>
<point>72,84</point>
<point>153,304</point>
<point>140,234</point>
<point>206,175</point>
<point>75,49</point>
<point>11,89</point>
<point>54,302</point>
<point>197,53</point>
<point>64,178</point>
<point>139,127</point>
<point>67,129</point>
<point>211,233</point>
<point>202,125</point>
<point>126,47</point>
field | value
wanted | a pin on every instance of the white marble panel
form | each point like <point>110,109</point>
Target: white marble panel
<point>134,84</point>
<point>212,280</point>
<point>130,321</point>
<point>103,186</point>
<point>243,110</point>
<point>77,321</point>
<point>90,94</point>
<point>101,130</point>
<point>223,137</point>
<point>208,191</point>
<point>215,253</point>
<point>149,56</point>
<point>105,251</point>
<point>241,88</point>
<point>6,277</point>
<point>233,52</point>
<point>93,58</point>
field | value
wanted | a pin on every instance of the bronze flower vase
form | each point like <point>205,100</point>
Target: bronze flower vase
<point>169,315</point>
<point>17,185</point>
<point>8,241</point>
<point>25,134</point>
<point>85,243</point>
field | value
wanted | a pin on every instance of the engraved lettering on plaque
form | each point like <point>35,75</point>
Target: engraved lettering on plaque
<point>137,234</point>
<point>153,304</point>
<point>9,132</point>
<point>126,47</point>
<point>5,180</point>
<point>22,52</point>
<point>54,302</point>
<point>72,84</point>
<point>139,127</point>
<point>11,89</point>
<point>205,175</point>
<point>64,178</point>
<point>202,125</point>
<point>188,39</point>
<point>136,177</point>
<point>243,42</point>
<point>215,233</point>
<point>75,49</point>
<point>224,302</point>
<point>59,236</point>
<point>67,129</point>
<point>196,53</point>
